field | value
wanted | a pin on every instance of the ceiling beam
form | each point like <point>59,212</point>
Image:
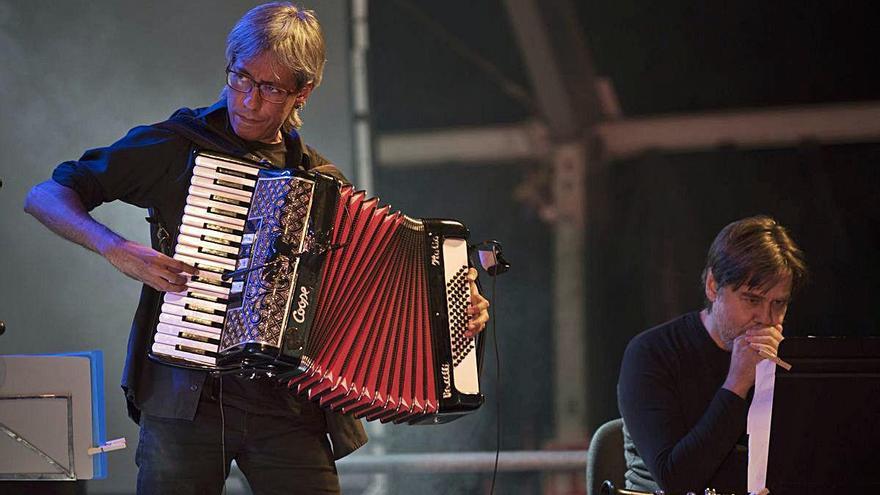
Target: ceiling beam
<point>752,129</point>
<point>497,143</point>
<point>768,128</point>
<point>559,65</point>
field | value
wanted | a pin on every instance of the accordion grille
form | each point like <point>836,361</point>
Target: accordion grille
<point>261,317</point>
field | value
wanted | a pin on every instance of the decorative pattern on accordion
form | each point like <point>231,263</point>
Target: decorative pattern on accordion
<point>458,297</point>
<point>276,225</point>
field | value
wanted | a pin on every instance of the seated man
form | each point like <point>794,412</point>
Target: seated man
<point>685,385</point>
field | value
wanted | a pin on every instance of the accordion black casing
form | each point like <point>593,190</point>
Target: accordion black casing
<point>361,309</point>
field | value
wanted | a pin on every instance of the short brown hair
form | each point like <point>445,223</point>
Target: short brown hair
<point>756,252</point>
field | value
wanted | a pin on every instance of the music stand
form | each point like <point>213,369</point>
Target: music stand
<point>51,413</point>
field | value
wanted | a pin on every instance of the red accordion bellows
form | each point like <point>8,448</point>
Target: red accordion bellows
<point>362,355</point>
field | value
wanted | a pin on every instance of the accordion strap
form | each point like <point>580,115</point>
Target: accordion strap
<point>204,136</point>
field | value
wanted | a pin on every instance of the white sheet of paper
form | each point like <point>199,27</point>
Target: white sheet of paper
<point>758,425</point>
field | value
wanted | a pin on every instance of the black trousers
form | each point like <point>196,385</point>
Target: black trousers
<point>277,454</point>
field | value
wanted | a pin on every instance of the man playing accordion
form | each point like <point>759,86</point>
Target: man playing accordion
<point>275,58</point>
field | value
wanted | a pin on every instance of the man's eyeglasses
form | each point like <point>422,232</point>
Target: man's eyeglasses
<point>245,84</point>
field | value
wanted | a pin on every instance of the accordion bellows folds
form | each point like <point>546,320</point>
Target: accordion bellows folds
<point>363,308</point>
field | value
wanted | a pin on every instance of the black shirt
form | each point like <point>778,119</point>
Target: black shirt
<point>151,167</point>
<point>679,423</point>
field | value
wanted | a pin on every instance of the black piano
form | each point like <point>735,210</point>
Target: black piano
<point>825,429</point>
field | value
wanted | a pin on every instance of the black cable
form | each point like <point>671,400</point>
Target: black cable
<point>494,307</point>
<point>222,432</point>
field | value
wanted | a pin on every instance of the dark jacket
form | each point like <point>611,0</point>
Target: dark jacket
<point>151,167</point>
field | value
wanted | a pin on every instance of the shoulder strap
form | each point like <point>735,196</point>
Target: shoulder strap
<point>204,136</point>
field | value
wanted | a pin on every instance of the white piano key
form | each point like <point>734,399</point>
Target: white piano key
<point>205,245</point>
<point>217,184</point>
<point>219,196</point>
<point>176,298</point>
<point>193,252</point>
<point>164,338</point>
<point>203,213</point>
<point>209,270</point>
<point>213,236</point>
<point>201,284</point>
<point>179,331</point>
<point>215,164</point>
<point>201,295</point>
<point>168,350</point>
<point>238,211</point>
<point>213,225</point>
<point>178,321</point>
<point>208,289</point>
<point>181,311</point>
<point>226,181</point>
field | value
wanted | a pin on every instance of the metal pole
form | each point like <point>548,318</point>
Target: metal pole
<point>363,146</point>
<point>463,462</point>
<point>363,152</point>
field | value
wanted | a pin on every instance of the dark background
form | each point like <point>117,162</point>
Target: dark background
<point>650,218</point>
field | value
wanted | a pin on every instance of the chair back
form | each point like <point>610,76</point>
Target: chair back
<point>605,459</point>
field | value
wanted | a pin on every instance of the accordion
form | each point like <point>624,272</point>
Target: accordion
<point>304,278</point>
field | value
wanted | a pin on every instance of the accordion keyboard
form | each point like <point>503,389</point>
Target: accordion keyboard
<point>210,237</point>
